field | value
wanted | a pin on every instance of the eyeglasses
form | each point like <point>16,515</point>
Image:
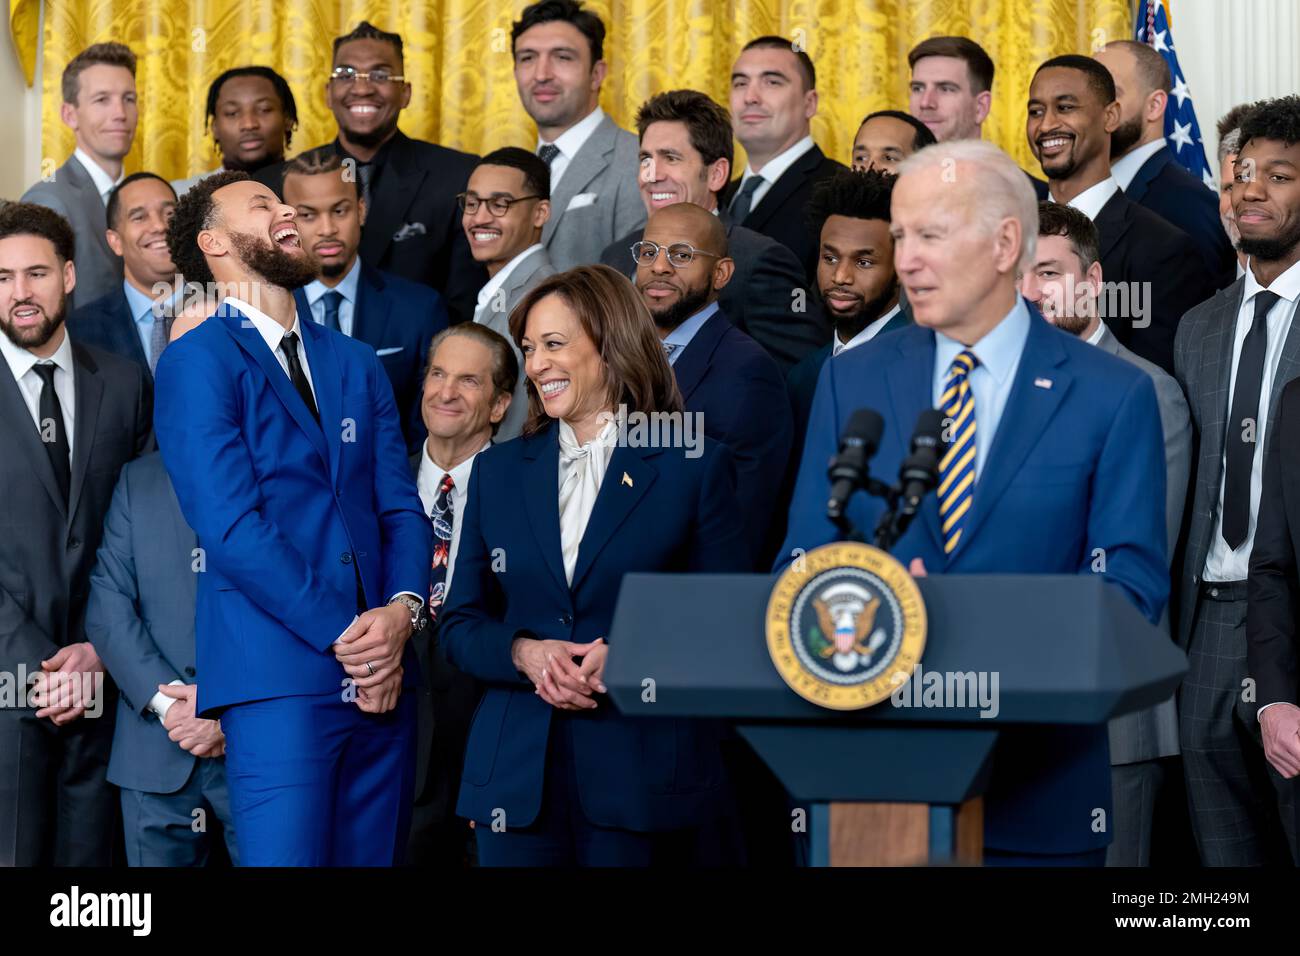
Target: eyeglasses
<point>680,254</point>
<point>498,206</point>
<point>346,76</point>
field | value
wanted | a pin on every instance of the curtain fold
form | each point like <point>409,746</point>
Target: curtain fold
<point>458,59</point>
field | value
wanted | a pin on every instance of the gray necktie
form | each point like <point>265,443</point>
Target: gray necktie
<point>740,203</point>
<point>162,325</point>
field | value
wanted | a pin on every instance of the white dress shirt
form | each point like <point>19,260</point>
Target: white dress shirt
<point>866,335</point>
<point>497,281</point>
<point>1221,562</point>
<point>775,166</point>
<point>569,142</point>
<point>347,288</point>
<point>582,470</point>
<point>272,333</point>
<point>427,480</point>
<point>1095,338</point>
<point>675,342</point>
<point>1126,167</point>
<point>104,183</point>
<point>1091,200</point>
<point>21,362</point>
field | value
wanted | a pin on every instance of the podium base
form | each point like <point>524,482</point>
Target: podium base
<point>897,834</point>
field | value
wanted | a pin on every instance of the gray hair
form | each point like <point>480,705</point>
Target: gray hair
<point>1231,143</point>
<point>1000,187</point>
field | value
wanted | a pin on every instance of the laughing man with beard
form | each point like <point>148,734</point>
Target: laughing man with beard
<point>284,445</point>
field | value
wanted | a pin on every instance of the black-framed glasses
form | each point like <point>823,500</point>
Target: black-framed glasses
<point>346,76</point>
<point>498,206</point>
<point>680,254</point>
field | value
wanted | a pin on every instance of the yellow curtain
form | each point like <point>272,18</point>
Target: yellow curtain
<point>458,59</point>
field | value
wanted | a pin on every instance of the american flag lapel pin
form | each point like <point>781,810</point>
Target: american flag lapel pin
<point>627,479</point>
<point>1043,382</point>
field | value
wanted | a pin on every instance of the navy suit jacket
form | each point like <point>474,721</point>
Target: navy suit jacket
<point>670,513</point>
<point>736,387</point>
<point>107,323</point>
<point>291,514</point>
<point>1077,464</point>
<point>397,318</point>
<point>140,618</point>
<point>1164,186</point>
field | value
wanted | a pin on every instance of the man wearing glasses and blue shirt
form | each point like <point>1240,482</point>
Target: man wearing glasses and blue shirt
<point>409,186</point>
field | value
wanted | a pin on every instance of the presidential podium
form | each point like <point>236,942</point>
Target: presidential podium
<point>892,785</point>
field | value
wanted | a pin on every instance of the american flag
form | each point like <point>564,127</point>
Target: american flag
<point>1182,132</point>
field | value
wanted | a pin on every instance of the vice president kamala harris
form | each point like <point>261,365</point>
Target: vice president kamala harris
<point>554,775</point>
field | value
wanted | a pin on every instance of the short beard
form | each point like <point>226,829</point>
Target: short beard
<point>1125,137</point>
<point>1074,323</point>
<point>39,336</point>
<point>373,139</point>
<point>333,270</point>
<point>848,326</point>
<point>1271,249</point>
<point>272,264</point>
<point>682,309</point>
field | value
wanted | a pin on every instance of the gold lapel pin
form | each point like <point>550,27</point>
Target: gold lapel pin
<point>627,479</point>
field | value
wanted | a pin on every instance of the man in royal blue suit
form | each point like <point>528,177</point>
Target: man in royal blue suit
<point>396,317</point>
<point>1056,456</point>
<point>282,440</point>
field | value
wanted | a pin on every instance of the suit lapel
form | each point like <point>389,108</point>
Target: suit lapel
<point>627,479</point>
<point>126,321</point>
<point>695,359</point>
<point>402,180</point>
<point>1112,222</point>
<point>541,490</point>
<point>88,399</point>
<point>781,190</point>
<point>911,381</point>
<point>327,383</point>
<point>1028,412</point>
<point>587,163</point>
<point>370,313</point>
<point>1146,173</point>
<point>25,433</point>
<point>1288,364</point>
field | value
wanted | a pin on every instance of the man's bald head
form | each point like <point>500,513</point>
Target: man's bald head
<point>687,222</point>
<point>673,290</point>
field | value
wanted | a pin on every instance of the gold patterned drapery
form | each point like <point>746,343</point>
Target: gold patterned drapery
<point>458,59</point>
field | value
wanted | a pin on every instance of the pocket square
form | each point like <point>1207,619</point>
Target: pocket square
<point>408,230</point>
<point>393,351</point>
<point>580,200</point>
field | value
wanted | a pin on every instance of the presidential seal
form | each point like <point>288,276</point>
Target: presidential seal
<point>845,626</point>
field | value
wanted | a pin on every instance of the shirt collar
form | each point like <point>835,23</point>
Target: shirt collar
<point>144,307</point>
<point>1091,200</point>
<point>103,182</point>
<point>459,474</point>
<point>682,335</point>
<point>20,360</point>
<point>1127,166</point>
<point>497,281</point>
<point>1287,285</point>
<point>779,163</point>
<point>314,289</point>
<point>270,330</point>
<point>869,331</point>
<point>571,140</point>
<point>999,350</point>
<point>1097,336</point>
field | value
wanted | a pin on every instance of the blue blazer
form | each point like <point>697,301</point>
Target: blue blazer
<point>1077,464</point>
<point>140,618</point>
<point>669,514</point>
<point>289,513</point>
<point>107,323</point>
<point>1164,186</point>
<point>397,318</point>
<point>736,387</point>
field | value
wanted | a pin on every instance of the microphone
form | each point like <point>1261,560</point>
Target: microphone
<point>919,472</point>
<point>848,470</point>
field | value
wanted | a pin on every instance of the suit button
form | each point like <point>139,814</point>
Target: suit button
<point>338,492</point>
<point>189,672</point>
<point>74,544</point>
<point>346,557</point>
<point>566,619</point>
<point>1214,592</point>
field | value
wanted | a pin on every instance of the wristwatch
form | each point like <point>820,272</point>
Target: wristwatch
<point>414,605</point>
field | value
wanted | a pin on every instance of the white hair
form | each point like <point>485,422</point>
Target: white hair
<point>1000,188</point>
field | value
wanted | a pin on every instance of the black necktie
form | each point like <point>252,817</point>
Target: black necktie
<point>548,152</point>
<point>54,434</point>
<point>1242,433</point>
<point>740,203</point>
<point>289,345</point>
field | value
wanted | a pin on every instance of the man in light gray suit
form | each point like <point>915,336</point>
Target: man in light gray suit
<point>558,48</point>
<point>1065,281</point>
<point>1233,355</point>
<point>99,106</point>
<point>503,211</point>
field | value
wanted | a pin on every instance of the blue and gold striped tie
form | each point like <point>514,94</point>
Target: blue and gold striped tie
<point>957,467</point>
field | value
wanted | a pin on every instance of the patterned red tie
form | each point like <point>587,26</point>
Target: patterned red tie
<point>442,517</point>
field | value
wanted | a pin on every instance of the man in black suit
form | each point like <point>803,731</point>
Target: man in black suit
<point>134,320</point>
<point>471,379</point>
<point>1144,166</point>
<point>394,316</point>
<point>724,375</point>
<point>686,154</point>
<point>773,100</point>
<point>71,417</point>
<point>1153,269</point>
<point>409,186</point>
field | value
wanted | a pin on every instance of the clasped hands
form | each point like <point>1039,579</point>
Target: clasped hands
<point>371,654</point>
<point>556,678</point>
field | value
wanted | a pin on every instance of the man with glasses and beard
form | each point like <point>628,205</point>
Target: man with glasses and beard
<point>725,376</point>
<point>285,448</point>
<point>71,416</point>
